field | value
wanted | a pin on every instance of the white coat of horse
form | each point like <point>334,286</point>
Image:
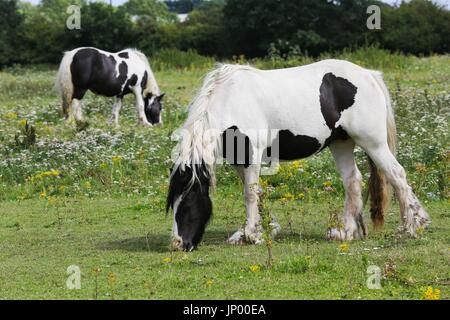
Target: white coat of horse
<point>331,103</point>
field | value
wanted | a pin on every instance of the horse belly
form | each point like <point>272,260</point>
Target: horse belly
<point>288,146</point>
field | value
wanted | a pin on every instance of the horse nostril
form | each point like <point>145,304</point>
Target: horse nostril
<point>188,246</point>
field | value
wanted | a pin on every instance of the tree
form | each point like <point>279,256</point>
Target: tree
<point>154,26</point>
<point>148,10</point>
<point>10,20</point>
<point>418,26</point>
<point>44,34</point>
<point>203,30</point>
<point>312,26</point>
<point>105,27</point>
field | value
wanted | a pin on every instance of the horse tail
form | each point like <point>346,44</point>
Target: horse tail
<point>63,83</point>
<point>379,189</point>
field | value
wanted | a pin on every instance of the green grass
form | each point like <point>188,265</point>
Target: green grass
<point>129,238</point>
<point>104,205</point>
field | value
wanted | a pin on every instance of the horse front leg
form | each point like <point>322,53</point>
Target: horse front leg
<point>253,230</point>
<point>117,106</point>
<point>77,112</point>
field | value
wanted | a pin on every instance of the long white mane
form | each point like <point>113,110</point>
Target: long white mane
<point>200,143</point>
<point>152,85</point>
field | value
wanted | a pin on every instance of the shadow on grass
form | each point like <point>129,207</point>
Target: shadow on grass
<point>149,242</point>
<point>158,242</point>
<point>161,242</point>
<point>288,237</point>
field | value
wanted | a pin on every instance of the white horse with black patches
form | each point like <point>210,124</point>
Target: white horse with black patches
<point>249,117</point>
<point>112,75</point>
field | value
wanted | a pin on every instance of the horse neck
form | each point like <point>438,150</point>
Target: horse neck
<point>152,85</point>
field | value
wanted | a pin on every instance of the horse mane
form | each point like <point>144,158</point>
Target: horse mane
<point>195,150</point>
<point>152,85</point>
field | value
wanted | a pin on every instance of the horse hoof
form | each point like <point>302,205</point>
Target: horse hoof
<point>335,234</point>
<point>416,228</point>
<point>238,238</point>
<point>145,124</point>
<point>276,228</point>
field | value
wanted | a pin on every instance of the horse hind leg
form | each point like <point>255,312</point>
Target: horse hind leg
<point>66,107</point>
<point>413,215</point>
<point>77,105</point>
<point>353,222</point>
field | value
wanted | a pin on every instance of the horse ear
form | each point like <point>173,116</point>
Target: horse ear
<point>161,96</point>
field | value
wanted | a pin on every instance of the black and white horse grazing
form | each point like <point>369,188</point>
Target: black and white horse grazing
<point>249,117</point>
<point>112,75</point>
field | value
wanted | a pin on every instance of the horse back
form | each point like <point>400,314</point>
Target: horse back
<point>99,72</point>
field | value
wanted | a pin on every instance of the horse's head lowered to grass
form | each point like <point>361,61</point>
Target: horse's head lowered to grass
<point>153,107</point>
<point>192,208</point>
<point>332,103</point>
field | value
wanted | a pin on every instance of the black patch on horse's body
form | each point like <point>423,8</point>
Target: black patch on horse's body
<point>124,55</point>
<point>336,134</point>
<point>236,147</point>
<point>336,95</point>
<point>288,146</point>
<point>144,81</point>
<point>130,83</point>
<point>195,208</point>
<point>95,71</point>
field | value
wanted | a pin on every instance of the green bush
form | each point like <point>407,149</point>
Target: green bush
<point>174,58</point>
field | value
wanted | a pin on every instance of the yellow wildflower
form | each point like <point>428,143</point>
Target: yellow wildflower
<point>255,268</point>
<point>51,200</point>
<point>116,159</point>
<point>327,184</point>
<point>11,116</point>
<point>112,278</point>
<point>344,247</point>
<point>263,183</point>
<point>167,260</point>
<point>209,282</point>
<point>287,197</point>
<point>51,173</point>
<point>296,165</point>
<point>431,294</point>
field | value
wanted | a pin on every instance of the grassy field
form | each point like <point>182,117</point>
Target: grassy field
<point>94,197</point>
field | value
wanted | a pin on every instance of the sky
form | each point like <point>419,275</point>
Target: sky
<point>119,2</point>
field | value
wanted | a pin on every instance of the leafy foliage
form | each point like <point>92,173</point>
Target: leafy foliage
<point>37,33</point>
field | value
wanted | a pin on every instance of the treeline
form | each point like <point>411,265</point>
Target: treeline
<point>224,28</point>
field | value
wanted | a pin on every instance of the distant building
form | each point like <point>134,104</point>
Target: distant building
<point>182,17</point>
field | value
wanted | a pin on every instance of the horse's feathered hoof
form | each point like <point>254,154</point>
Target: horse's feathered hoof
<point>335,234</point>
<point>238,238</point>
